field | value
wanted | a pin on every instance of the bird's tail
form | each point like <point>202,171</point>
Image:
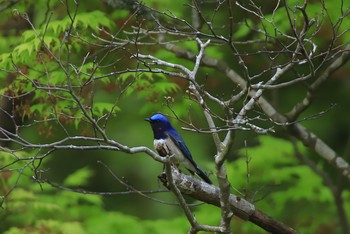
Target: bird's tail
<point>203,175</point>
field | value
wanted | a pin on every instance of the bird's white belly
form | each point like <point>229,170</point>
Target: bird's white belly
<point>172,150</point>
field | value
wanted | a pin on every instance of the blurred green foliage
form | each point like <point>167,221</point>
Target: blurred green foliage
<point>266,171</point>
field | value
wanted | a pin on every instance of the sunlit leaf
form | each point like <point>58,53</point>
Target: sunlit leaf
<point>103,107</point>
<point>79,178</point>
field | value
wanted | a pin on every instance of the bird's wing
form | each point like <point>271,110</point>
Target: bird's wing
<point>180,143</point>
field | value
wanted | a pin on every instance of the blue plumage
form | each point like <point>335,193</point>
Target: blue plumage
<point>168,141</point>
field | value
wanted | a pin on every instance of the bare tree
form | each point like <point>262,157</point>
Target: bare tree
<point>285,36</point>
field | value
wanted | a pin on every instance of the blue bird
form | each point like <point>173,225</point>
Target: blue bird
<point>167,141</point>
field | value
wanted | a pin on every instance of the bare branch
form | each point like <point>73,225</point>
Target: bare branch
<point>173,187</point>
<point>241,208</point>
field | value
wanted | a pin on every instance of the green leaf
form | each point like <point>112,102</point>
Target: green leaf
<point>37,108</point>
<point>105,81</point>
<point>53,43</point>
<point>119,14</point>
<point>113,221</point>
<point>92,20</point>
<point>104,107</point>
<point>243,29</point>
<point>28,35</point>
<point>24,48</point>
<point>122,78</point>
<point>22,194</point>
<point>58,26</point>
<point>165,87</point>
<point>57,77</point>
<point>278,169</point>
<point>79,178</point>
<point>5,62</point>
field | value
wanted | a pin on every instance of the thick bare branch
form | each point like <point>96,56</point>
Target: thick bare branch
<point>241,208</point>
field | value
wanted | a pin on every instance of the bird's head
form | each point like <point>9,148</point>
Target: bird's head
<point>160,124</point>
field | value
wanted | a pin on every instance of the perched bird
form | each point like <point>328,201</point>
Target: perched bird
<point>168,141</point>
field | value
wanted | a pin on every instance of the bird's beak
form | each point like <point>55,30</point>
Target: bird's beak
<point>148,119</point>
